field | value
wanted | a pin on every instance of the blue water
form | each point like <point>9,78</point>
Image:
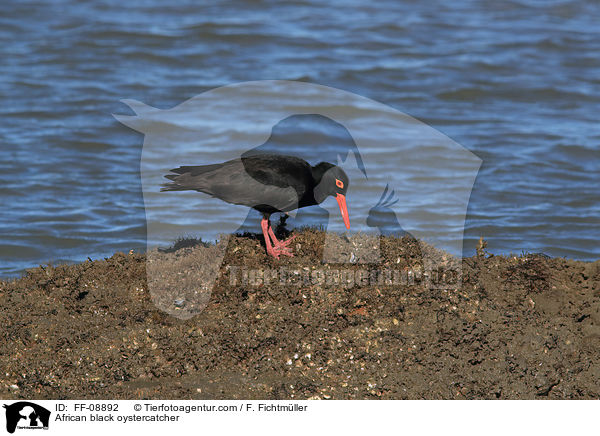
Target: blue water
<point>516,83</point>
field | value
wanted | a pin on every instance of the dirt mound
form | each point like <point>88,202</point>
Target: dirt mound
<point>514,328</point>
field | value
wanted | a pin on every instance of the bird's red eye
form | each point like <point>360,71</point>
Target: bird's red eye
<point>339,183</point>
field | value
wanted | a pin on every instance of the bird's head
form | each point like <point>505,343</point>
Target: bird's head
<point>331,180</point>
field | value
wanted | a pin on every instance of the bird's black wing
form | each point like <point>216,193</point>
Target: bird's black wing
<point>261,181</point>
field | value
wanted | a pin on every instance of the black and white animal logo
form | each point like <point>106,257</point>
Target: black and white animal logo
<point>25,414</point>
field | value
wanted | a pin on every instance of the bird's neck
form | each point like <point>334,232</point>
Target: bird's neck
<point>318,171</point>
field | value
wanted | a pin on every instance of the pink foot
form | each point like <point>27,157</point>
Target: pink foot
<point>273,252</point>
<point>281,247</point>
<point>275,247</point>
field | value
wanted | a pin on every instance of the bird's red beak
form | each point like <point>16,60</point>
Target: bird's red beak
<point>341,199</point>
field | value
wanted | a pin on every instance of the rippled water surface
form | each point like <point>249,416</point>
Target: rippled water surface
<point>516,83</point>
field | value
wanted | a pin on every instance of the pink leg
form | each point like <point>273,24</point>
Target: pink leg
<point>281,245</point>
<point>266,226</point>
<point>276,248</point>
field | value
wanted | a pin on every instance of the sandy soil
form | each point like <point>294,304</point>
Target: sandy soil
<point>521,327</point>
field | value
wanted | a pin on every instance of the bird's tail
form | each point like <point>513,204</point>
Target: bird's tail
<point>173,186</point>
<point>180,182</point>
<point>188,178</point>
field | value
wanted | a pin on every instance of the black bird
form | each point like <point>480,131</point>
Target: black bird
<point>268,183</point>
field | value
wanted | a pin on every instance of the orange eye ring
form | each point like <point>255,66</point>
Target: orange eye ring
<point>339,183</point>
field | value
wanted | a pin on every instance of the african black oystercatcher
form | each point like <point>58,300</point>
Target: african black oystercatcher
<point>268,183</point>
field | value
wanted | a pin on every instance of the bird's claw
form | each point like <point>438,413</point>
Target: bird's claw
<point>278,251</point>
<point>284,250</point>
<point>285,243</point>
<point>281,247</point>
